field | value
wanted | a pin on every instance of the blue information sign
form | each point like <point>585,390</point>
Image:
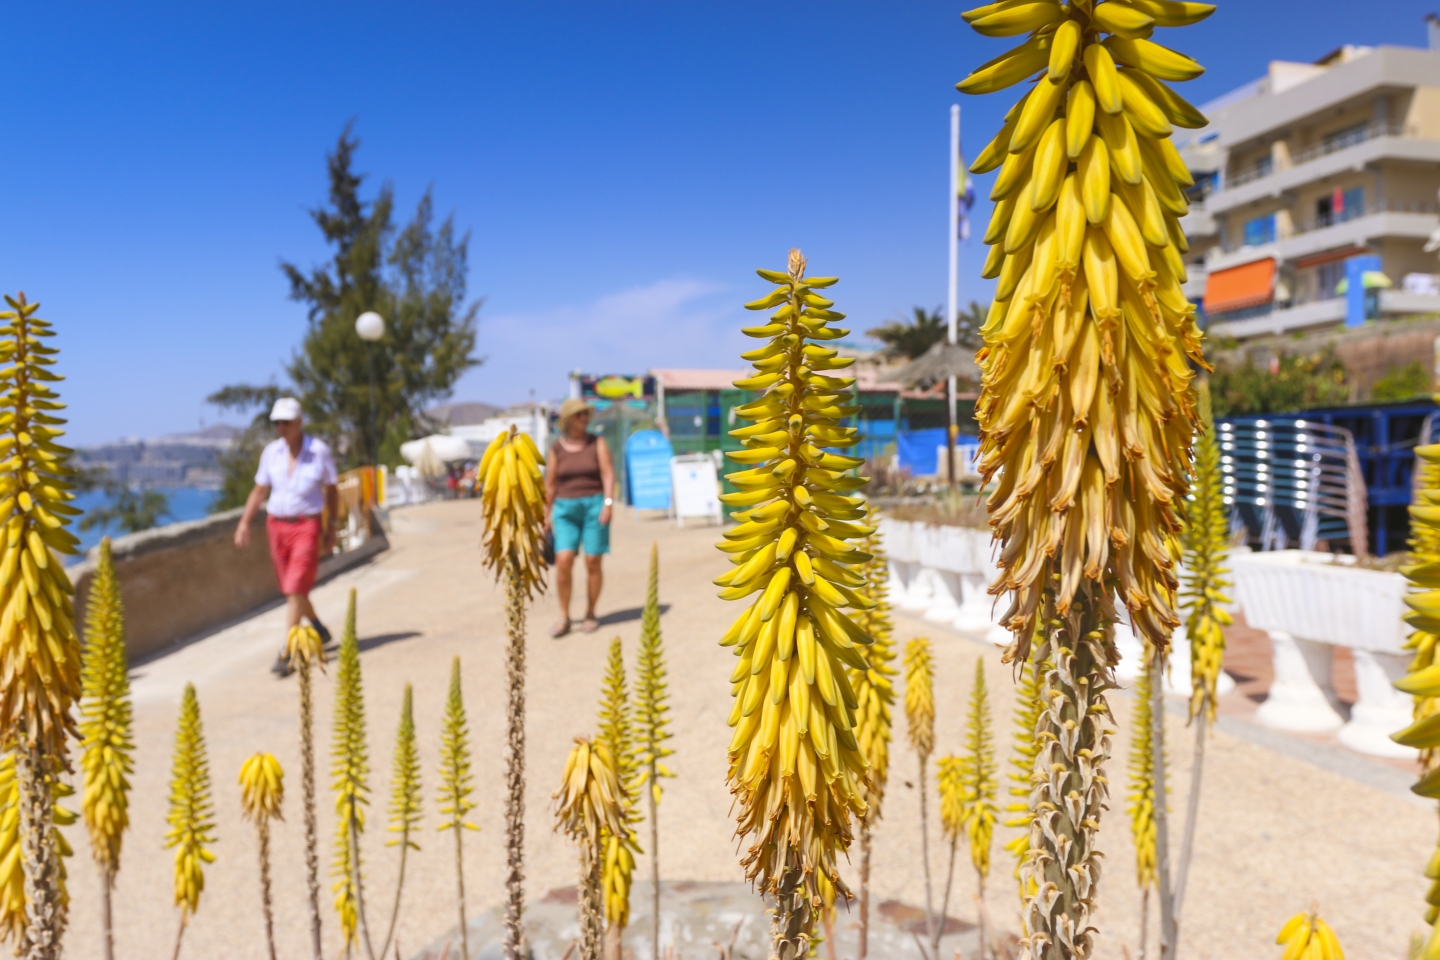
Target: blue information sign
<point>647,470</point>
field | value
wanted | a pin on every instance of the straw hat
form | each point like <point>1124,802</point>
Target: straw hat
<point>571,407</point>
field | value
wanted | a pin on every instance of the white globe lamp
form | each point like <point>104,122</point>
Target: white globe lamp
<point>370,326</point>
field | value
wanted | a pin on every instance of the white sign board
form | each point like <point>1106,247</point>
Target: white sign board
<point>965,456</point>
<point>696,487</point>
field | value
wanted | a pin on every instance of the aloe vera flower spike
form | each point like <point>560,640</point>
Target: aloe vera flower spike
<point>107,732</point>
<point>796,769</point>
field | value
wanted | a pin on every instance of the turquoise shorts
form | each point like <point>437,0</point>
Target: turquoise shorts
<point>577,521</point>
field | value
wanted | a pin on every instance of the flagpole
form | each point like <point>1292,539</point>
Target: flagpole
<point>952,306</point>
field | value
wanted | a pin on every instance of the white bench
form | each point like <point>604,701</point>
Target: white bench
<point>1309,602</point>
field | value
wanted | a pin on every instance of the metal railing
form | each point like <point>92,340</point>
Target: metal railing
<point>1293,480</point>
<point>1322,223</point>
<point>1333,144</point>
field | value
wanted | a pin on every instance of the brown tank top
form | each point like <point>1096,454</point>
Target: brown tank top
<point>577,472</point>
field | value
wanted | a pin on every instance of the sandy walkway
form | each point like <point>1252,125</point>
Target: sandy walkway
<point>1277,831</point>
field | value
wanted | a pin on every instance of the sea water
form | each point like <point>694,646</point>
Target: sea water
<point>186,503</point>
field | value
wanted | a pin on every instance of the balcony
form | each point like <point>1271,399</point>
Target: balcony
<point>1331,145</point>
<point>1198,223</point>
<point>1312,314</point>
<point>1318,313</point>
<point>1371,144</point>
<point>1410,221</point>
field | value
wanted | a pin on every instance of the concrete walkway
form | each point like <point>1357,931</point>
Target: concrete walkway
<point>1277,830</point>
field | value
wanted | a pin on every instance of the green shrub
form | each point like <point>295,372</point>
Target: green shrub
<point>1287,384</point>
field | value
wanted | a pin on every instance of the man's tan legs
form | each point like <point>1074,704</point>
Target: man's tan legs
<point>297,605</point>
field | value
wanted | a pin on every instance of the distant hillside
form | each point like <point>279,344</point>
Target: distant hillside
<point>176,460</point>
<point>463,414</point>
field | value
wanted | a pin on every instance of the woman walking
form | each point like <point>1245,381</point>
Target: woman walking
<point>579,483</point>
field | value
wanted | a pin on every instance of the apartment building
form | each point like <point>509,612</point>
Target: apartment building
<point>1316,193</point>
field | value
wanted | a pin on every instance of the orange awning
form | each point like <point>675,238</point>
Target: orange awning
<point>1247,285</point>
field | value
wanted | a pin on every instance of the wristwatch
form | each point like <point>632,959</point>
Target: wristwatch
<point>609,501</point>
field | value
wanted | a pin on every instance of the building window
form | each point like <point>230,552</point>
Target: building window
<point>1339,206</point>
<point>1327,278</point>
<point>1260,231</point>
<point>1205,184</point>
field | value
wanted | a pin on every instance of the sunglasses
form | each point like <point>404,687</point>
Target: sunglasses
<point>282,423</point>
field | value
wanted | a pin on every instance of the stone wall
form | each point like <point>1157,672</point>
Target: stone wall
<point>182,579</point>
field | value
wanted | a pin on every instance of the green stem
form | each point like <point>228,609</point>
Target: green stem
<point>938,930</point>
<point>179,935</point>
<point>654,857</point>
<point>307,784</point>
<point>1192,814</point>
<point>399,886</point>
<point>1168,929</point>
<point>458,827</point>
<point>793,919</point>
<point>353,838</point>
<point>863,948</point>
<point>514,767</point>
<point>107,883</point>
<point>265,885</point>
<point>925,849</point>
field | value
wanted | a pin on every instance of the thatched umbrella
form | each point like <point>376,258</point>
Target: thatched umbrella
<point>942,361</point>
<point>937,365</point>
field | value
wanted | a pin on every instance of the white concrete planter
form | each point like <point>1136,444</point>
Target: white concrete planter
<point>942,572</point>
<point>1177,662</point>
<point>1309,602</point>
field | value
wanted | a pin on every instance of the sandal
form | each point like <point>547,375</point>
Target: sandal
<point>590,625</point>
<point>560,629</point>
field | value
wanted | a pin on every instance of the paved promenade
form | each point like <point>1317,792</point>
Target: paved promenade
<point>1278,830</point>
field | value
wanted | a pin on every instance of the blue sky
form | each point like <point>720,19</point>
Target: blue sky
<point>622,168</point>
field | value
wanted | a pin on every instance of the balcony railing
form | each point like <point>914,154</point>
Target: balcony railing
<point>1330,145</point>
<point>1321,223</point>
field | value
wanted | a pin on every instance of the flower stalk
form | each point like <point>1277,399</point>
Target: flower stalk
<point>39,649</point>
<point>652,727</point>
<point>618,849</point>
<point>350,770</point>
<point>589,804</point>
<point>1422,679</point>
<point>1205,543</point>
<point>305,650</point>
<point>875,690</point>
<point>107,733</point>
<point>513,504</point>
<point>1142,798</point>
<point>920,728</point>
<point>796,769</point>
<point>405,803</point>
<point>1087,408</point>
<point>262,792</point>
<point>457,784</point>
<point>192,812</point>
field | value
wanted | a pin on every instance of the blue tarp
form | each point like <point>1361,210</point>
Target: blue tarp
<point>647,470</point>
<point>918,451</point>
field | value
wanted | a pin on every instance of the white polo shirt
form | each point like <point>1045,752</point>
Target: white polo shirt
<point>301,492</point>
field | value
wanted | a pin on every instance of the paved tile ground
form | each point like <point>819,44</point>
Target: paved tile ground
<point>1276,831</point>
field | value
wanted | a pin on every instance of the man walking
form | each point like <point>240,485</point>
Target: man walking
<point>298,482</point>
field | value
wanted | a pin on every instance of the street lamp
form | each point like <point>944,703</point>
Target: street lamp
<point>370,326</point>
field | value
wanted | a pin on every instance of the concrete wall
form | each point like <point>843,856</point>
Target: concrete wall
<point>185,578</point>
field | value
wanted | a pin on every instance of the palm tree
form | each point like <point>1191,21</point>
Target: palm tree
<point>908,339</point>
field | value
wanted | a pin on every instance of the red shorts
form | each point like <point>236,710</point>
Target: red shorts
<point>295,551</point>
